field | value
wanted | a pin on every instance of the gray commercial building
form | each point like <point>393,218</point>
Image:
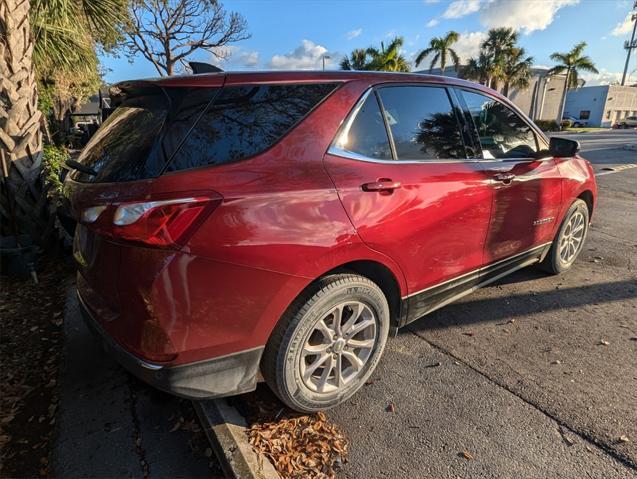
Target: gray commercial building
<point>602,105</point>
<point>540,100</point>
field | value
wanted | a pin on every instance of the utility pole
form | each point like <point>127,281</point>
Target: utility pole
<point>629,45</point>
<point>329,57</point>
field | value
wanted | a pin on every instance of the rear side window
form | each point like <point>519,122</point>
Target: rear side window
<point>140,136</point>
<point>423,123</point>
<point>246,120</point>
<point>366,135</point>
<point>503,134</point>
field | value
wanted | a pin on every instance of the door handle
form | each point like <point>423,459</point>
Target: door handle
<point>505,178</point>
<point>383,184</point>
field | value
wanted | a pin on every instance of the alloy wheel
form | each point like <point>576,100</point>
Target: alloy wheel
<point>572,238</point>
<point>339,347</point>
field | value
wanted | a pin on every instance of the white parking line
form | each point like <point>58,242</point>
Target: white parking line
<point>616,169</point>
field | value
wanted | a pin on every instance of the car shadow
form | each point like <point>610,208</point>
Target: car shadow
<point>507,307</point>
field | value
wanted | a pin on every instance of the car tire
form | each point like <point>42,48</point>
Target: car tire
<point>569,241</point>
<point>291,363</point>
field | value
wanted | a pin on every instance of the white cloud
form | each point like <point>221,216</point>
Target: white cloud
<point>524,15</point>
<point>249,59</point>
<point>460,8</point>
<point>305,57</point>
<point>354,33</point>
<point>623,28</point>
<point>604,77</point>
<point>468,45</point>
<point>233,56</point>
<point>432,23</point>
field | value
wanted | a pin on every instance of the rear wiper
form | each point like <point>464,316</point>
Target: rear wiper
<point>76,165</point>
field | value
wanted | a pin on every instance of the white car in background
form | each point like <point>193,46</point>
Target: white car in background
<point>576,122</point>
<point>628,122</point>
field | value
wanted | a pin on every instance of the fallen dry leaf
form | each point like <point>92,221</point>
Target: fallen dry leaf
<point>302,446</point>
<point>390,408</point>
<point>467,455</point>
<point>624,439</point>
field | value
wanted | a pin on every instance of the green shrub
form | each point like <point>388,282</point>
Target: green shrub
<point>53,161</point>
<point>548,125</point>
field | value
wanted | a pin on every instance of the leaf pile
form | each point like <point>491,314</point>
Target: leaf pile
<point>302,446</point>
<point>30,343</point>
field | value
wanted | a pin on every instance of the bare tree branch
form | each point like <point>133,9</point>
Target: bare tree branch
<point>165,32</point>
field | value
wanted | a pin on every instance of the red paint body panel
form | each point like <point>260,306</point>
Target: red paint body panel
<point>292,213</point>
<point>434,225</point>
<point>524,212</point>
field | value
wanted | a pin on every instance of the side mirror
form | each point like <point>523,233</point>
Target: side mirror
<point>563,147</point>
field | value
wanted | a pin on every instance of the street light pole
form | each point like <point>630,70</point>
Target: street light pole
<point>323,58</point>
<point>630,45</point>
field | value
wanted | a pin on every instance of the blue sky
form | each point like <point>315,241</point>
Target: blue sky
<point>296,34</point>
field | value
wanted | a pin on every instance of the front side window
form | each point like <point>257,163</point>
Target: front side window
<point>243,121</point>
<point>423,123</point>
<point>502,133</point>
<point>366,134</point>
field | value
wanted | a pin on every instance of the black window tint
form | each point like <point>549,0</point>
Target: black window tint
<point>423,123</point>
<point>503,134</point>
<point>367,135</point>
<point>140,136</point>
<point>246,120</point>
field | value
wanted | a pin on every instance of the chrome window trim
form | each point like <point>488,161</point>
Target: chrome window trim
<point>351,155</point>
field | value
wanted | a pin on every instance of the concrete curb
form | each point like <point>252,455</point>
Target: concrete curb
<point>226,431</point>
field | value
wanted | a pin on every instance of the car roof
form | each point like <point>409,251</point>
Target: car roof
<point>239,77</point>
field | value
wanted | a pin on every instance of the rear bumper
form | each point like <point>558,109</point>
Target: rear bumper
<point>223,376</point>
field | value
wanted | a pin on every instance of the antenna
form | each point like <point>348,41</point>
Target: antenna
<point>630,45</point>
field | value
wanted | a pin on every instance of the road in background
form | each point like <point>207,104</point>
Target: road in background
<point>534,376</point>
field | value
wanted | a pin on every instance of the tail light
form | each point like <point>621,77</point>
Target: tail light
<point>161,223</point>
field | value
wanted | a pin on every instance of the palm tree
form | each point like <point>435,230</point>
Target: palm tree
<point>357,60</point>
<point>37,37</point>
<point>388,59</point>
<point>478,69</point>
<point>517,70</point>
<point>497,46</point>
<point>571,62</point>
<point>441,48</point>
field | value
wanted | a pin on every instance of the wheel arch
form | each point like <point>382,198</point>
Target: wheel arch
<point>382,276</point>
<point>587,197</point>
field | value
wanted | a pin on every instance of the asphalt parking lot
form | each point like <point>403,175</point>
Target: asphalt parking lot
<point>534,376</point>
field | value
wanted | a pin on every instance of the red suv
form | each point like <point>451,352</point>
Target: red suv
<point>240,226</point>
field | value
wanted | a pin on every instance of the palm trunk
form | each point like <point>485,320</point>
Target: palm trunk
<point>563,103</point>
<point>23,203</point>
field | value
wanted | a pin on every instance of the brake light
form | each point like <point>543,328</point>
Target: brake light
<point>159,223</point>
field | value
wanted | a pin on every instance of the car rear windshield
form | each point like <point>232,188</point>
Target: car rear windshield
<point>246,120</point>
<point>141,135</point>
<point>171,129</point>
